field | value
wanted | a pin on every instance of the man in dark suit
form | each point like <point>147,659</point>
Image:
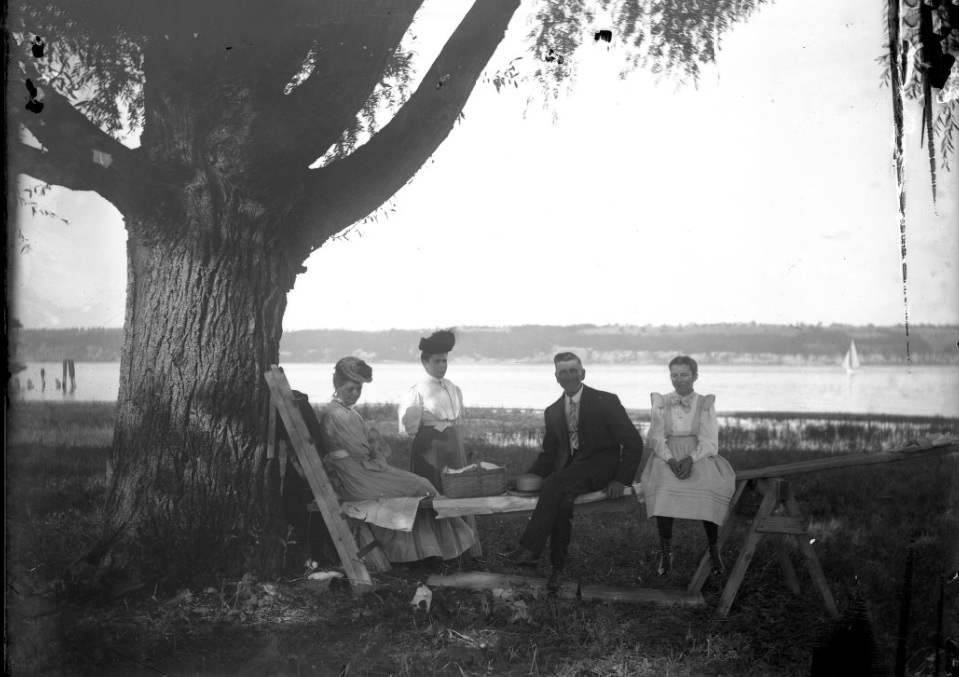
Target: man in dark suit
<point>590,444</point>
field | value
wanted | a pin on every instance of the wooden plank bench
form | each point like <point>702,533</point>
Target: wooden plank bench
<point>778,515</point>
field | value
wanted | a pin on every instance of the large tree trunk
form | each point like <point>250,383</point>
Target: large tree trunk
<point>188,462</point>
<point>208,273</point>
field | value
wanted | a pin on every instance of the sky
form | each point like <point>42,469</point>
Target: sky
<point>765,193</point>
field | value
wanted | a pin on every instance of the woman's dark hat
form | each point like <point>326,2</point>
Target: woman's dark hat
<point>441,341</point>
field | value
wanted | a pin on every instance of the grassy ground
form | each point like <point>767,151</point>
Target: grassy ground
<point>863,520</point>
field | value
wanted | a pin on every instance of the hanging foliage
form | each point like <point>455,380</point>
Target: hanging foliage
<point>923,40</point>
<point>927,47</point>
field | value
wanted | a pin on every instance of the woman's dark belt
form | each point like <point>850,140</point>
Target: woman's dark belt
<point>449,424</point>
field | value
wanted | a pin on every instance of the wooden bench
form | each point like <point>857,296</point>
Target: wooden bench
<point>356,547</point>
<point>778,515</point>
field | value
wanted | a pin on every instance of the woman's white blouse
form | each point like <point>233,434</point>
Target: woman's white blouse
<point>434,402</point>
<point>682,420</point>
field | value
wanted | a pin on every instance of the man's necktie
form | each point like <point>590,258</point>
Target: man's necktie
<point>572,423</point>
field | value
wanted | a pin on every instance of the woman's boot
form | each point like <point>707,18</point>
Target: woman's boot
<point>716,560</point>
<point>665,557</point>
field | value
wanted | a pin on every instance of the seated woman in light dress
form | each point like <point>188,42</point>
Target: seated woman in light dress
<point>358,458</point>
<point>685,476</point>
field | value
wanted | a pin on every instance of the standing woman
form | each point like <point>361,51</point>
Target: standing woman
<point>431,411</point>
<point>685,476</point>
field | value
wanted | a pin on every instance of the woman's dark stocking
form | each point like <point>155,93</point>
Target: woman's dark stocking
<point>715,558</point>
<point>665,527</point>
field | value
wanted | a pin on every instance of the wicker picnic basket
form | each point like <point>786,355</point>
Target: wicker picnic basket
<point>478,482</point>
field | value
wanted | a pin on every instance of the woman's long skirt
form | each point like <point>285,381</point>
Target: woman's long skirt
<point>434,450</point>
<point>430,537</point>
<point>704,495</point>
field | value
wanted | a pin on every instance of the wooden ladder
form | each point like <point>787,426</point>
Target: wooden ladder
<point>358,550</point>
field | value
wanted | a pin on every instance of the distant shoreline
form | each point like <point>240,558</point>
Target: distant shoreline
<point>715,344</point>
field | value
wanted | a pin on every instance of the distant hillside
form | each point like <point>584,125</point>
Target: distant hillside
<point>81,345</point>
<point>713,343</point>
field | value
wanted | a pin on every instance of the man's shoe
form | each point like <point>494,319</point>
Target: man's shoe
<point>555,580</point>
<point>523,557</point>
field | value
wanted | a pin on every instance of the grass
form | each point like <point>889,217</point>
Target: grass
<point>865,522</point>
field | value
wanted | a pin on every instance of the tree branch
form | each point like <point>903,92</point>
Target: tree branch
<point>352,53</point>
<point>50,167</point>
<point>338,195</point>
<point>82,156</point>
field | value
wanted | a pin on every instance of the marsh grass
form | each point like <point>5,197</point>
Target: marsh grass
<point>61,425</point>
<point>864,521</point>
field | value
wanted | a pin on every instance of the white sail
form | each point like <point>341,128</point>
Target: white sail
<point>851,361</point>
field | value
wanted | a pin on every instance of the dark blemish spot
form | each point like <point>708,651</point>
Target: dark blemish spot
<point>37,47</point>
<point>34,105</point>
<point>940,70</point>
<point>228,47</point>
<point>605,36</point>
<point>552,56</point>
<point>442,80</point>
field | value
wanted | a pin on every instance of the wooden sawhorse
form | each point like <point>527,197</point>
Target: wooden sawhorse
<point>778,515</point>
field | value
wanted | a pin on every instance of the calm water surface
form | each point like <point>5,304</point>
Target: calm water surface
<point>919,391</point>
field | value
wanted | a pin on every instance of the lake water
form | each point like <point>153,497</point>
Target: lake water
<point>919,391</point>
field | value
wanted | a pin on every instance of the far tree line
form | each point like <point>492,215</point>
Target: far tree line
<point>929,344</point>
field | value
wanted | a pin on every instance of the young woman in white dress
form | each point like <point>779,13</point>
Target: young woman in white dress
<point>685,477</point>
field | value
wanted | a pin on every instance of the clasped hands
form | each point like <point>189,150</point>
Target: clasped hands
<point>683,468</point>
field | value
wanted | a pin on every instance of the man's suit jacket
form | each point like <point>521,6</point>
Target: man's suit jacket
<point>608,441</point>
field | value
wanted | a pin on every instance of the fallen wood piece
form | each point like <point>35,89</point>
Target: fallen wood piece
<point>484,580</point>
<point>605,593</point>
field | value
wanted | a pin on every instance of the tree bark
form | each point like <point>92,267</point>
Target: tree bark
<point>189,479</point>
<point>207,278</point>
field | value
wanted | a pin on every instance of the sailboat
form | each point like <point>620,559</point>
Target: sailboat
<point>851,361</point>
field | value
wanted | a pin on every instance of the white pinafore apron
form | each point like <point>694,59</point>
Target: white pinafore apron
<point>706,493</point>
